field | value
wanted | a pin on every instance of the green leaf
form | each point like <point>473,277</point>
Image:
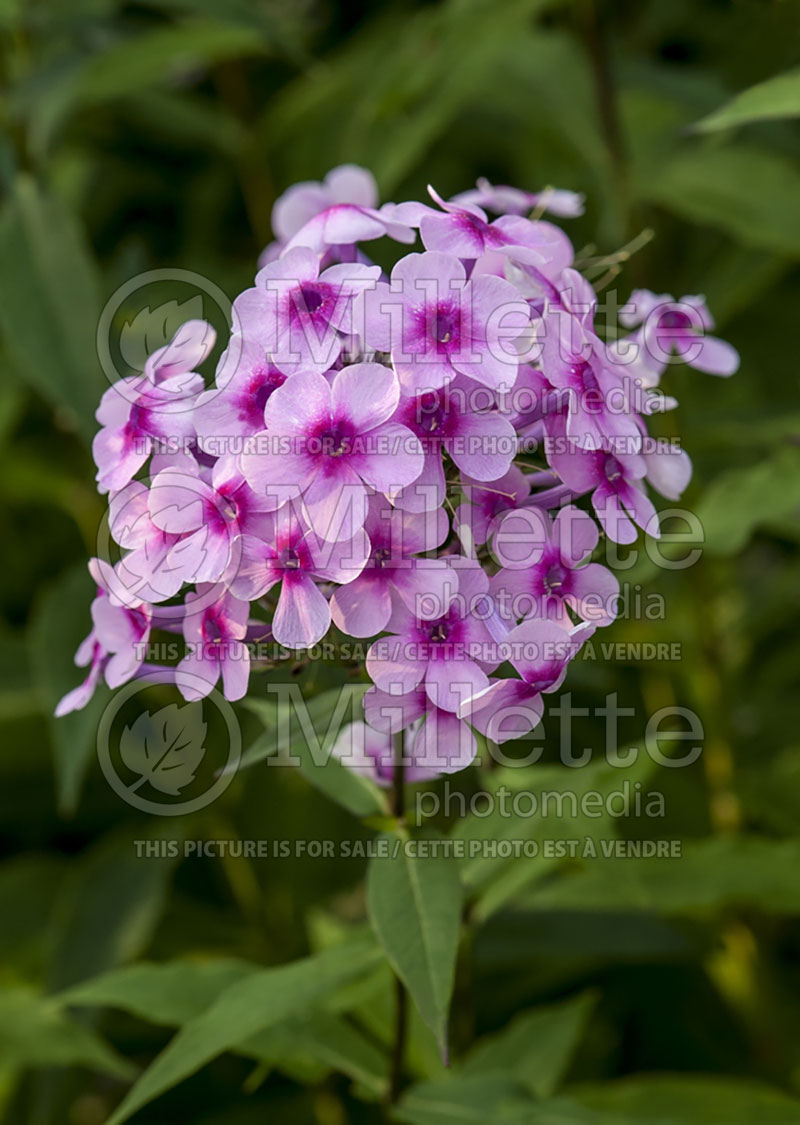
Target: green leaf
<point>34,1032</point>
<point>709,874</point>
<point>490,1097</point>
<point>375,1010</point>
<point>169,994</point>
<point>320,721</point>
<point>174,993</point>
<point>249,1006</point>
<point>28,886</point>
<point>743,499</point>
<point>536,1047</point>
<point>133,64</point>
<point>413,96</point>
<point>327,1040</point>
<point>414,905</point>
<point>49,302</point>
<point>777,97</point>
<point>161,55</point>
<point>557,790</point>
<point>676,1099</point>
<point>746,191</point>
<point>109,907</point>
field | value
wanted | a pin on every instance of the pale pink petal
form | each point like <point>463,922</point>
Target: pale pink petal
<point>450,682</point>
<point>302,616</point>
<point>365,393</point>
<point>575,534</point>
<point>235,666</point>
<point>361,608</point>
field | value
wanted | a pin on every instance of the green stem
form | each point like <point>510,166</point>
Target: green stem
<point>400,995</point>
<point>596,46</point>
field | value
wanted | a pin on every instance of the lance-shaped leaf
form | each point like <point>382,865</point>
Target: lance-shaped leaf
<point>35,1032</point>
<point>777,97</point>
<point>414,904</point>
<point>246,1008</point>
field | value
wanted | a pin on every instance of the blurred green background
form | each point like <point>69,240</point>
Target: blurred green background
<point>154,135</point>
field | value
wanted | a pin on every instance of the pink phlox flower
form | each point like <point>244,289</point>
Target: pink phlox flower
<point>292,554</point>
<point>540,652</point>
<point>484,501</point>
<point>614,477</point>
<point>447,654</point>
<point>188,348</point>
<point>436,741</point>
<point>332,216</point>
<point>363,607</point>
<point>208,517</point>
<point>91,654</point>
<point>114,648</point>
<point>215,636</point>
<point>677,331</point>
<point>136,415</point>
<point>437,324</point>
<point>296,314</point>
<point>370,753</point>
<point>234,408</point>
<point>576,362</point>
<point>506,200</point>
<point>333,441</point>
<point>462,420</point>
<point>545,568</point>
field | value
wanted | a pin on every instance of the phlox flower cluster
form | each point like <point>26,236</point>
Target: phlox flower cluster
<point>425,459</point>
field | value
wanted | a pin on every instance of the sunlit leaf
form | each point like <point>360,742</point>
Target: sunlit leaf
<point>414,903</point>
<point>776,97</point>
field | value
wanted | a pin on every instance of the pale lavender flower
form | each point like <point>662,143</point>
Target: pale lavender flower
<point>436,741</point>
<point>298,314</point>
<point>544,568</point>
<point>461,420</point>
<point>506,200</point>
<point>446,654</point>
<point>484,501</point>
<point>333,441</point>
<point>436,324</point>
<point>235,407</point>
<point>215,635</point>
<point>677,330</point>
<point>614,480</point>
<point>539,652</point>
<point>291,553</point>
<point>362,608</point>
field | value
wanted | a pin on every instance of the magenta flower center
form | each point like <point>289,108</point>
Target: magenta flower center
<point>265,381</point>
<point>439,632</point>
<point>675,320</point>
<point>612,469</point>
<point>289,559</point>
<point>312,298</point>
<point>211,631</point>
<point>444,324</point>
<point>431,413</point>
<point>554,578</point>
<point>541,678</point>
<point>582,376</point>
